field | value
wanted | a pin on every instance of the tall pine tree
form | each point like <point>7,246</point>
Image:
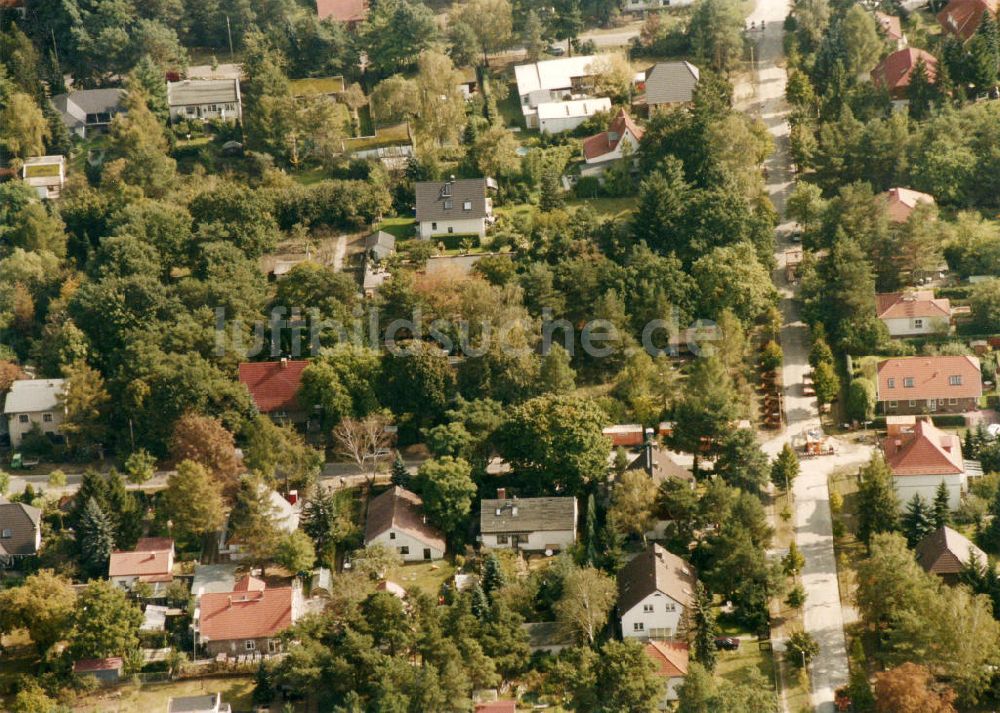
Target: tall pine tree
<point>917,520</point>
<point>95,538</point>
<point>941,512</point>
<point>876,499</point>
<point>703,628</point>
<point>400,475</point>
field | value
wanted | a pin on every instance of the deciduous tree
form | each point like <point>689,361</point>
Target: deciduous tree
<point>587,596</point>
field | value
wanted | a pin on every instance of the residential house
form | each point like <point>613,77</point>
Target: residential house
<point>249,619</point>
<point>20,532</point>
<point>945,553</point>
<point>894,72</point>
<point>639,7</point>
<point>671,661</point>
<point>549,637</point>
<point>625,434</point>
<point>396,520</point>
<point>284,514</point>
<point>459,207</point>
<point>154,617</point>
<point>929,384</point>
<point>914,313</point>
<point>602,150</point>
<point>901,202</point>
<point>670,84</point>
<point>962,18</point>
<point>274,386</point>
<point>553,81</point>
<point>34,402</point>
<point>349,12</point>
<point>108,670</point>
<point>212,578</point>
<point>211,703</point>
<point>921,457</point>
<point>528,524</point>
<point>46,174</point>
<point>205,99</point>
<point>497,707</point>
<point>469,85</point>
<point>891,28</point>
<point>380,245</point>
<point>88,110</point>
<point>556,117</point>
<point>152,562</point>
<point>654,590</point>
<point>660,465</point>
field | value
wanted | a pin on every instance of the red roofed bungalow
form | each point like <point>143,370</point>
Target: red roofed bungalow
<point>152,561</point>
<point>107,670</point>
<point>894,71</point>
<point>963,17</point>
<point>497,707</point>
<point>901,202</point>
<point>921,457</point>
<point>601,149</point>
<point>625,434</point>
<point>350,12</point>
<point>671,660</point>
<point>274,386</point>
<point>246,620</point>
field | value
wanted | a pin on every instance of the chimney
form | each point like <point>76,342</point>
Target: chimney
<point>284,362</point>
<point>292,497</point>
<point>501,493</point>
<point>513,511</point>
<point>230,598</point>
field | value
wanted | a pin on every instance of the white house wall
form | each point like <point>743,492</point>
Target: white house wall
<point>397,540</point>
<point>18,429</point>
<point>926,485</point>
<point>475,226</point>
<point>660,623</point>
<point>536,541</point>
<point>904,327</point>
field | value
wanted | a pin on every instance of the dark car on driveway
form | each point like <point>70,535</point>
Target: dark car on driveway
<point>727,643</point>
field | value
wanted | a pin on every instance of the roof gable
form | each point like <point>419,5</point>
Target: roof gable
<point>905,378</point>
<point>23,521</point>
<point>447,200</point>
<point>925,451</point>
<point>342,10</point>
<point>894,71</point>
<point>671,83</point>
<point>670,657</point>
<point>608,141</point>
<point>918,303</point>
<point>34,395</point>
<point>273,385</point>
<point>400,509</point>
<point>527,515</point>
<point>963,17</point>
<point>655,570</point>
<point>245,615</point>
<point>946,551</point>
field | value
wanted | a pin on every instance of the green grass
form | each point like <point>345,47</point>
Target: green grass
<point>42,170</point>
<point>402,228</point>
<point>606,208</point>
<point>510,108</point>
<point>426,576</point>
<point>316,86</point>
<point>387,136</point>
<point>367,123</point>
<point>237,691</point>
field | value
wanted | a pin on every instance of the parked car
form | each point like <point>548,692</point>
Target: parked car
<point>556,50</point>
<point>727,643</point>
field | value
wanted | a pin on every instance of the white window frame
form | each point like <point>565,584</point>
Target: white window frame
<point>671,606</point>
<point>250,645</point>
<point>392,535</point>
<point>647,608</point>
<point>955,380</point>
<point>891,383</point>
<point>467,205</point>
<point>918,323</point>
<point>638,626</point>
<point>893,404</point>
<point>908,382</point>
<point>952,402</point>
<point>404,550</point>
<point>912,403</point>
<point>47,418</point>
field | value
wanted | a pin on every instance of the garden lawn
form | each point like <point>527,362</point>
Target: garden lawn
<point>237,691</point>
<point>426,576</point>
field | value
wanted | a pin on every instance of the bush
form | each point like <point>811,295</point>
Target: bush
<point>801,648</point>
<point>839,530</point>
<point>771,356</point>
<point>797,597</point>
<point>587,187</point>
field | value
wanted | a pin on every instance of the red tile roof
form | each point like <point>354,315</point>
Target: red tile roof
<point>963,17</point>
<point>924,450</point>
<point>900,202</point>
<point>249,584</point>
<point>670,657</point>
<point>918,303</point>
<point>625,434</point>
<point>342,10</point>
<point>245,615</point>
<point>151,561</point>
<point>111,663</point>
<point>894,71</point>
<point>890,25</point>
<point>931,378</point>
<point>273,384</point>
<point>497,707</point>
<point>607,141</point>
<point>400,509</point>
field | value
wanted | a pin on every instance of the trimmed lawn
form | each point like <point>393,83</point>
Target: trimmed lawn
<point>384,136</point>
<point>752,655</point>
<point>606,208</point>
<point>236,691</point>
<point>315,86</point>
<point>426,576</point>
<point>402,228</point>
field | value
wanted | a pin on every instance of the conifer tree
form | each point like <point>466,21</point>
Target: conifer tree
<point>941,513</point>
<point>400,475</point>
<point>96,539</point>
<point>703,626</point>
<point>493,577</point>
<point>917,520</point>
<point>876,499</point>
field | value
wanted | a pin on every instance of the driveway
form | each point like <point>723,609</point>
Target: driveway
<point>823,615</point>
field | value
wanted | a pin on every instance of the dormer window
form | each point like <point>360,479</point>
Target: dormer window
<point>908,382</point>
<point>467,205</point>
<point>955,380</point>
<point>448,204</point>
<point>446,190</point>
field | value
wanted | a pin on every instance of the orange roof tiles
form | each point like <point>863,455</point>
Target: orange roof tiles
<point>926,450</point>
<point>249,584</point>
<point>671,658</point>
<point>342,10</point>
<point>894,71</point>
<point>607,141</point>
<point>929,377</point>
<point>273,384</point>
<point>151,561</point>
<point>245,615</point>
<point>918,303</point>
<point>963,17</point>
<point>497,707</point>
<point>901,202</point>
<point>890,25</point>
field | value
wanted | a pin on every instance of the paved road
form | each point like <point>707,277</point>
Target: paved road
<point>823,614</point>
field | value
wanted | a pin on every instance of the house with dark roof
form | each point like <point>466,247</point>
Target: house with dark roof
<point>929,384</point>
<point>655,589</point>
<point>901,202</point>
<point>246,620</point>
<point>396,520</point>
<point>274,388</point>
<point>962,18</point>
<point>20,532</point>
<point>205,99</point>
<point>946,552</point>
<point>920,457</point>
<point>211,703</point>
<point>528,524</point>
<point>913,313</point>
<point>454,207</point>
<point>671,661</point>
<point>380,245</point>
<point>602,150</point>
<point>349,12</point>
<point>87,110</point>
<point>152,562</point>
<point>895,71</point>
<point>670,84</point>
<point>660,465</point>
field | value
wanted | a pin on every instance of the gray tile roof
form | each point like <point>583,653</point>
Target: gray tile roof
<point>655,570</point>
<point>195,704</point>
<point>34,396</point>
<point>23,522</point>
<point>75,106</point>
<point>445,200</point>
<point>194,92</point>
<point>527,515</point>
<point>400,509</point>
<point>383,244</point>
<point>671,83</point>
